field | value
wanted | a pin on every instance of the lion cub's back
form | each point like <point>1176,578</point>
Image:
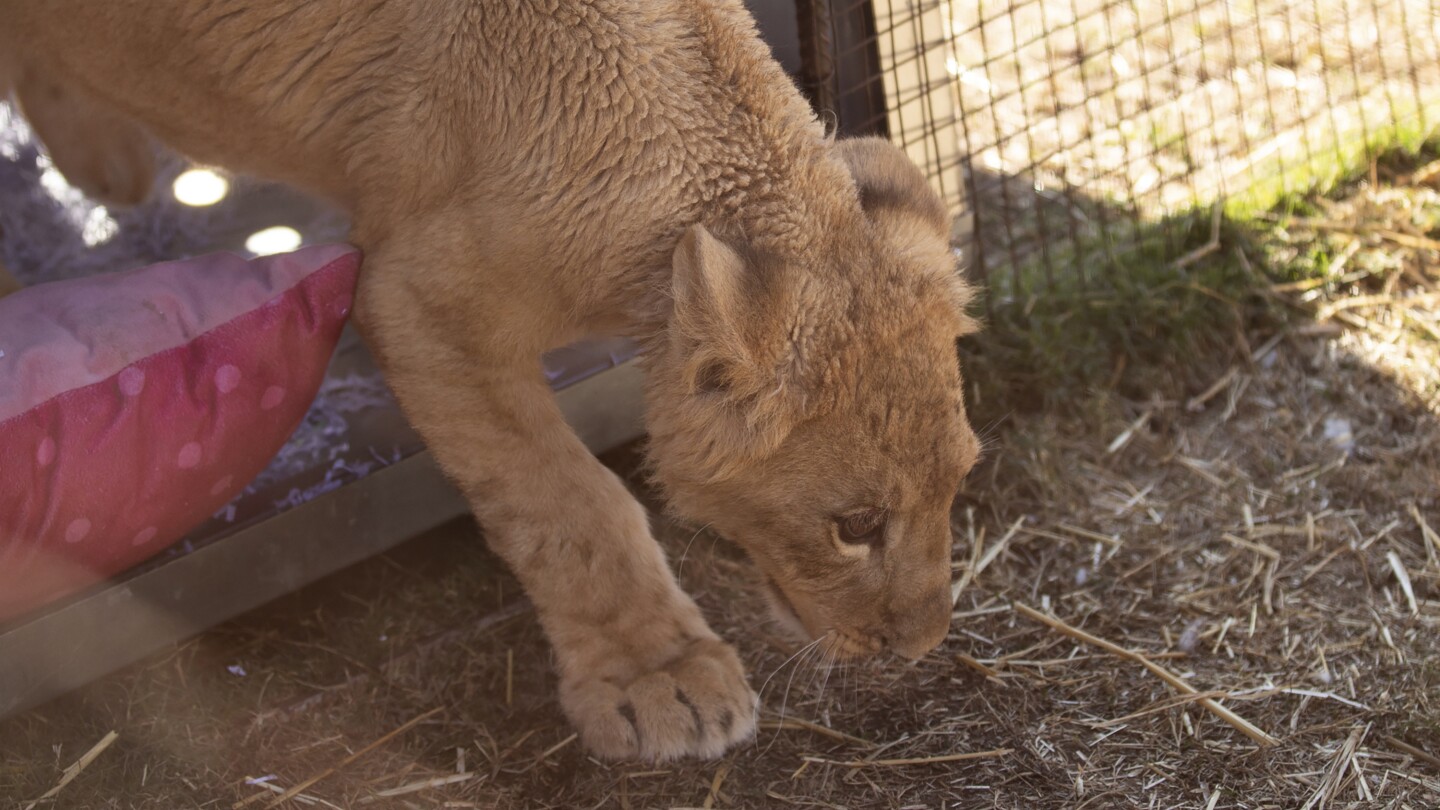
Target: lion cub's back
<point>274,87</point>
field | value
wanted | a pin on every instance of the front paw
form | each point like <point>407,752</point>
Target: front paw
<point>695,705</point>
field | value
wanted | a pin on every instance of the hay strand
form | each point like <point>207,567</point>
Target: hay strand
<point>294,791</point>
<point>1239,723</point>
<point>77,768</point>
<point>416,787</point>
<point>898,763</point>
<point>1433,547</point>
<point>1403,577</point>
<point>1340,765</point>
<point>797,724</point>
<point>1407,748</point>
<point>720,774</point>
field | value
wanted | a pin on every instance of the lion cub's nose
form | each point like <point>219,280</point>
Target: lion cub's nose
<point>921,628</point>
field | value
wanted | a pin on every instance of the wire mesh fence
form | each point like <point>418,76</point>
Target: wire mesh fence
<point>1067,134</point>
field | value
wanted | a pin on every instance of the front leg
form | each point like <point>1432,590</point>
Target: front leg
<point>641,674</point>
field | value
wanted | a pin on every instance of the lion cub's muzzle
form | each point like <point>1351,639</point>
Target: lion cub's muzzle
<point>920,625</point>
<point>912,627</point>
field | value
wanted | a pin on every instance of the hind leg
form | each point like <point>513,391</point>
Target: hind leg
<point>99,150</point>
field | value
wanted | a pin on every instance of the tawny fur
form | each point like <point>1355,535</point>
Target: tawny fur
<point>525,173</point>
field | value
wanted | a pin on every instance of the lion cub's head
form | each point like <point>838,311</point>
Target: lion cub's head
<point>810,409</point>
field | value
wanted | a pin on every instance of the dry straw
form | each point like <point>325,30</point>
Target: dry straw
<point>1241,724</point>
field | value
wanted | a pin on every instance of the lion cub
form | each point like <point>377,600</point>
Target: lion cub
<point>522,173</point>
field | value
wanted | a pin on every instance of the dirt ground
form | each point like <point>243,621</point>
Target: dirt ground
<point>1268,541</point>
<point>1166,105</point>
<point>1267,538</point>
<point>1079,115</point>
<point>1226,596</point>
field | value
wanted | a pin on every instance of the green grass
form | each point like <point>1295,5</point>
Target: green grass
<point>1138,324</point>
<point>1412,132</point>
<point>1046,344</point>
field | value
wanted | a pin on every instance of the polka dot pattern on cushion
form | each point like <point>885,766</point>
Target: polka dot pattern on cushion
<point>134,405</point>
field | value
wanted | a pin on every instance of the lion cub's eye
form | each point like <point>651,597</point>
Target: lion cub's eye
<point>862,528</point>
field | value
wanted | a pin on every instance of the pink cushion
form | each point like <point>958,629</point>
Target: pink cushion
<point>134,405</point>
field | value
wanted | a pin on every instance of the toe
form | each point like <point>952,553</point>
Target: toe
<point>667,726</point>
<point>713,687</point>
<point>604,718</point>
<point>697,705</point>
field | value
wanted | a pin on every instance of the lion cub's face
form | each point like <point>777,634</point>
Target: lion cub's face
<point>814,414</point>
<point>849,518</point>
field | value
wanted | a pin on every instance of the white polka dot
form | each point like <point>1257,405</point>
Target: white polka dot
<point>76,531</point>
<point>45,453</point>
<point>189,456</point>
<point>274,395</point>
<point>145,536</point>
<point>227,378</point>
<point>132,381</point>
<point>222,485</point>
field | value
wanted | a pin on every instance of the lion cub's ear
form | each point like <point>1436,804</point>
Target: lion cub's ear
<point>709,280</point>
<point>727,388</point>
<point>734,394</point>
<point>890,183</point>
<point>710,311</point>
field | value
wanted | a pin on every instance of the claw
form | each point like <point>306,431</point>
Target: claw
<point>707,680</point>
<point>628,712</point>
<point>685,701</point>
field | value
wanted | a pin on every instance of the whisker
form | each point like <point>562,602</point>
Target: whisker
<point>814,664</point>
<point>827,665</point>
<point>680,569</point>
<point>806,664</point>
<point>797,654</point>
<point>991,430</point>
<point>785,697</point>
<point>853,683</point>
